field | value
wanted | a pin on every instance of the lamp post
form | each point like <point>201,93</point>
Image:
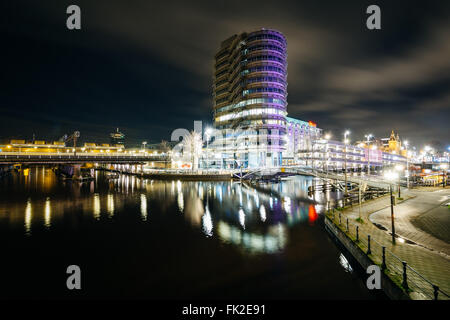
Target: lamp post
<point>346,133</point>
<point>391,175</point>
<point>368,137</point>
<point>144,143</point>
<point>399,168</point>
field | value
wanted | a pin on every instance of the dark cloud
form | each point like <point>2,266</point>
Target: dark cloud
<point>146,66</point>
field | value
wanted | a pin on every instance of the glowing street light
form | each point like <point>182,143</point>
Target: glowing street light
<point>392,176</point>
<point>399,168</point>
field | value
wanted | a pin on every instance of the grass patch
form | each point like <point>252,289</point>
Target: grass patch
<point>399,198</point>
<point>359,220</point>
<point>397,279</point>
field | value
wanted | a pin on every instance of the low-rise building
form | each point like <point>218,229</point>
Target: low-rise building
<point>336,155</point>
<point>300,136</point>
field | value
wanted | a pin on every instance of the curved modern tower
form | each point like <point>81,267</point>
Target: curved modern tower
<point>250,98</point>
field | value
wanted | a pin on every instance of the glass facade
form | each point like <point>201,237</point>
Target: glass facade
<point>250,100</point>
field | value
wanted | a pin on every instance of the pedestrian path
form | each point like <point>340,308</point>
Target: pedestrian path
<point>417,203</point>
<point>432,264</point>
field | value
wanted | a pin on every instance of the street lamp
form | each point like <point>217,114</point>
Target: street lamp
<point>144,143</point>
<point>346,133</point>
<point>399,168</point>
<point>368,137</point>
<point>392,176</point>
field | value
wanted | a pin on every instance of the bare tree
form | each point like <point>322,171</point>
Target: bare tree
<point>192,147</point>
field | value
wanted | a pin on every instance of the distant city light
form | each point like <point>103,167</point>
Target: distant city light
<point>391,175</point>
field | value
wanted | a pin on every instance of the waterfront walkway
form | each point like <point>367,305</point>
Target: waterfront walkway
<point>429,255</point>
<point>422,218</point>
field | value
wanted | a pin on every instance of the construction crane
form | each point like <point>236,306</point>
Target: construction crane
<point>73,137</point>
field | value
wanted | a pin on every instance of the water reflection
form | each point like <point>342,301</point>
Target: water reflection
<point>345,264</point>
<point>262,213</point>
<point>180,202</point>
<point>207,222</point>
<point>143,207</point>
<point>96,209</point>
<point>28,216</point>
<point>253,217</point>
<point>242,218</point>
<point>48,212</point>
<point>110,204</point>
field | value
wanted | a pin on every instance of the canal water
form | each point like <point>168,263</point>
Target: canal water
<point>138,238</point>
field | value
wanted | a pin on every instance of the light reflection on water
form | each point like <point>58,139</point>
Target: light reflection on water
<point>345,264</point>
<point>144,207</point>
<point>48,213</point>
<point>28,217</point>
<point>252,217</point>
<point>176,233</point>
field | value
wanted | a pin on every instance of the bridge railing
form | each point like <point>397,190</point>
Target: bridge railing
<point>204,172</point>
<point>78,154</point>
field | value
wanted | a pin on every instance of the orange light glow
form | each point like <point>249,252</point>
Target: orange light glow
<point>312,214</point>
<point>312,124</point>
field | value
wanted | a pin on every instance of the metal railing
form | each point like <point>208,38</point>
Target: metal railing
<point>405,276</point>
<point>187,172</point>
<point>101,157</point>
<point>80,154</point>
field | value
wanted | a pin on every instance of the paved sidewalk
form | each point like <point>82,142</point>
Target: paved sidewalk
<point>418,204</point>
<point>432,264</point>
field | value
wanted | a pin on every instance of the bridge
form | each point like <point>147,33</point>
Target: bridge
<point>357,186</point>
<point>270,173</point>
<point>373,181</point>
<point>77,158</point>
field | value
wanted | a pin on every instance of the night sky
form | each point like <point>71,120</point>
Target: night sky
<point>146,66</point>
